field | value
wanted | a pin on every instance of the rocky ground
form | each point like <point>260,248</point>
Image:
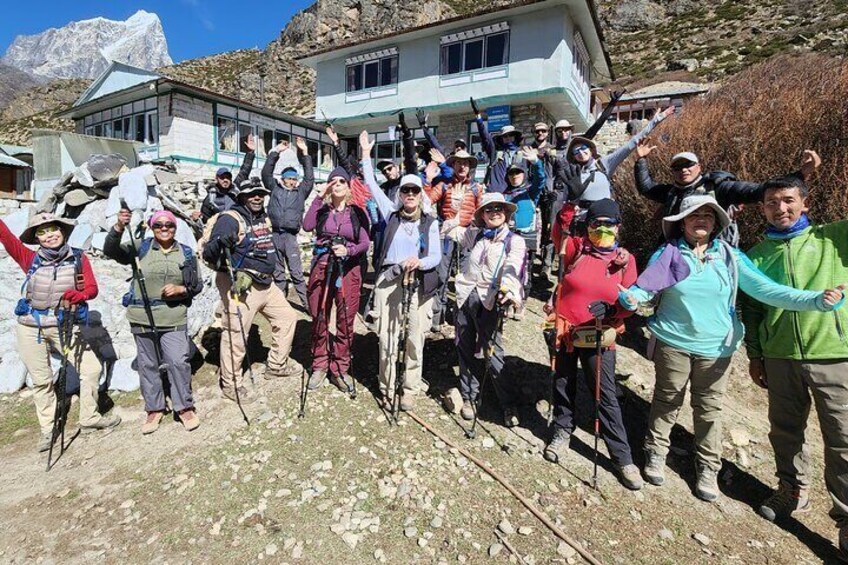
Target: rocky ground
<point>343,486</point>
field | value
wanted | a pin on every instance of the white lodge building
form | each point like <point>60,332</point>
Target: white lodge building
<point>532,61</point>
<point>196,129</point>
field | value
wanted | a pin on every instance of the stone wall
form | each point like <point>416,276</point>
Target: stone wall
<point>12,205</point>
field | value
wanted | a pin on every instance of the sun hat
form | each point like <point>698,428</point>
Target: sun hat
<point>43,219</point>
<point>688,206</point>
<point>465,156</point>
<point>493,198</point>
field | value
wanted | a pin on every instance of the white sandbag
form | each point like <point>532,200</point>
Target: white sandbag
<point>12,373</point>
<point>124,377</point>
<point>81,236</point>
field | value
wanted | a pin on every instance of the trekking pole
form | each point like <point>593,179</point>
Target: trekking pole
<point>598,360</point>
<point>443,291</point>
<point>487,364</point>
<point>302,412</point>
<point>148,310</point>
<point>60,418</point>
<point>235,298</point>
<point>403,335</point>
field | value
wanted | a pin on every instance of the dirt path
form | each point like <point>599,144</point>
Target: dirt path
<point>341,486</point>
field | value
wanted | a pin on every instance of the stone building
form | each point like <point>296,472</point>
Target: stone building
<point>533,61</point>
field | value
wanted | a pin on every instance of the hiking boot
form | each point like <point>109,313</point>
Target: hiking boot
<point>105,422</point>
<point>654,468</point>
<point>190,419</point>
<point>707,486</point>
<point>467,411</point>
<point>630,477</point>
<point>343,382</point>
<point>407,402</point>
<point>243,396</point>
<point>291,369</point>
<point>151,424</point>
<point>785,501</point>
<point>44,442</point>
<point>558,445</point>
<point>316,379</point>
<point>510,416</point>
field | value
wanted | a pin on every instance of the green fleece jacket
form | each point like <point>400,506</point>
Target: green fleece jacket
<point>815,259</point>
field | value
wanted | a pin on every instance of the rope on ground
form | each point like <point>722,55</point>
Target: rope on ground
<point>541,516</point>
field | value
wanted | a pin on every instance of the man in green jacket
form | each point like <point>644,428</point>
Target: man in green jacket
<point>799,355</point>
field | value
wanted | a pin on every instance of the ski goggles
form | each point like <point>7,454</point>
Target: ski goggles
<point>44,230</point>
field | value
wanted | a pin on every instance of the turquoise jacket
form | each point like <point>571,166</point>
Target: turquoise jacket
<point>698,314</point>
<point>526,197</point>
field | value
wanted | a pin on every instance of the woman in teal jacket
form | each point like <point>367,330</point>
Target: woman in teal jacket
<point>693,281</point>
<point>524,187</point>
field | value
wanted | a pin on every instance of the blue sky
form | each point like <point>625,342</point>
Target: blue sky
<point>193,28</point>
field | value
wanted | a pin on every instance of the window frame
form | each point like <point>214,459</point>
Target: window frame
<point>356,71</point>
<point>463,42</point>
<point>127,117</point>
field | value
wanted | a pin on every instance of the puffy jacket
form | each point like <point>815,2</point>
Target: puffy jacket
<point>216,201</point>
<point>815,259</point>
<point>286,207</point>
<point>724,186</point>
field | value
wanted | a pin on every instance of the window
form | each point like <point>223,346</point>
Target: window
<point>475,49</point>
<point>580,68</point>
<point>372,70</point>
<point>475,145</point>
<point>138,121</point>
<point>245,130</point>
<point>226,134</point>
<point>265,142</point>
<point>312,150</point>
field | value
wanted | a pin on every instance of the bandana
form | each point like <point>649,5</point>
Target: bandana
<point>490,233</point>
<point>799,226</point>
<point>410,217</point>
<point>603,238</point>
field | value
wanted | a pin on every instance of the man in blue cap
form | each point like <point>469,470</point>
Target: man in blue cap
<point>224,194</point>
<point>285,209</point>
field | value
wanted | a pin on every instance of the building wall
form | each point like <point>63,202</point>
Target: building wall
<point>540,62</point>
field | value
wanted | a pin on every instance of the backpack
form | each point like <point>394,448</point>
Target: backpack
<point>129,298</point>
<point>207,234</point>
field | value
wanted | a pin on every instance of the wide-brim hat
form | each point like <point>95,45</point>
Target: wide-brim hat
<point>580,140</point>
<point>563,124</point>
<point>687,206</point>
<point>493,198</point>
<point>41,219</point>
<point>465,156</point>
<point>510,130</point>
<point>251,186</point>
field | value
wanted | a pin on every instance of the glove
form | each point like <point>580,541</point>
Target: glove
<point>474,106</point>
<point>422,118</point>
<point>402,122</point>
<point>229,240</point>
<point>600,309</point>
<point>243,283</point>
<point>449,225</point>
<point>74,296</point>
<point>573,183</point>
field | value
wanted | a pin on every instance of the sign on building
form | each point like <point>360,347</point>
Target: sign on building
<point>498,117</point>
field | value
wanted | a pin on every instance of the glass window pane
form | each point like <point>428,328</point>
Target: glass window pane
<point>139,127</point>
<point>244,131</point>
<point>152,136</point>
<point>116,112</point>
<point>89,130</point>
<point>326,156</point>
<point>128,128</point>
<point>452,58</point>
<point>107,129</point>
<point>138,106</point>
<point>150,103</point>
<point>388,71</point>
<point>312,149</point>
<point>474,54</point>
<point>226,134</point>
<point>385,151</point>
<point>281,136</point>
<point>354,78</point>
<point>98,130</point>
<point>117,129</point>
<point>265,143</point>
<point>107,114</point>
<point>496,49</point>
<point>126,109</point>
<point>372,74</point>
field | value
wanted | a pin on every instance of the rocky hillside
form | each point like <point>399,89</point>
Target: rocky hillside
<point>12,82</point>
<point>37,107</point>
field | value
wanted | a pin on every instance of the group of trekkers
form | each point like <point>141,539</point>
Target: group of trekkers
<point>430,222</point>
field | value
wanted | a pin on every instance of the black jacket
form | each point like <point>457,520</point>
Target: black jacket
<point>724,186</point>
<point>216,202</point>
<point>286,206</point>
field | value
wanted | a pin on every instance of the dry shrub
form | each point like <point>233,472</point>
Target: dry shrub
<point>756,127</point>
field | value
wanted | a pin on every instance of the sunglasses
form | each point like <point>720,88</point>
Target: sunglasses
<point>541,131</point>
<point>496,209</point>
<point>580,149</point>
<point>45,230</point>
<point>410,190</point>
<point>165,226</point>
<point>683,165</point>
<point>604,223</point>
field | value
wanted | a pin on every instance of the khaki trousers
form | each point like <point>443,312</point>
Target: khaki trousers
<point>268,300</point>
<point>37,361</point>
<point>790,385</point>
<point>708,377</point>
<point>387,302</point>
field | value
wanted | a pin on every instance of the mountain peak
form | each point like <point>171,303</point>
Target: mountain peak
<point>83,49</point>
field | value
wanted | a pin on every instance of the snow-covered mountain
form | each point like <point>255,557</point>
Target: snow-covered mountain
<point>84,49</point>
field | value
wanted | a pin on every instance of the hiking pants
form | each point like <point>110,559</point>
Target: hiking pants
<point>36,357</point>
<point>288,258</point>
<point>268,300</point>
<point>475,329</point>
<point>708,377</point>
<point>790,385</point>
<point>176,352</point>
<point>326,356</point>
<point>388,297</point>
<point>565,394</point>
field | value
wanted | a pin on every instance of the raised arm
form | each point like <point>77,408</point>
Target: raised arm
<point>644,183</point>
<point>271,162</point>
<point>21,254</point>
<point>344,161</point>
<point>761,288</point>
<point>617,157</point>
<point>384,204</point>
<point>305,161</point>
<point>428,134</point>
<point>605,114</point>
<point>538,176</point>
<point>247,162</point>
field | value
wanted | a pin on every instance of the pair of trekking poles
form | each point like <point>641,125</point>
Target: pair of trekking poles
<point>334,275</point>
<point>65,317</point>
